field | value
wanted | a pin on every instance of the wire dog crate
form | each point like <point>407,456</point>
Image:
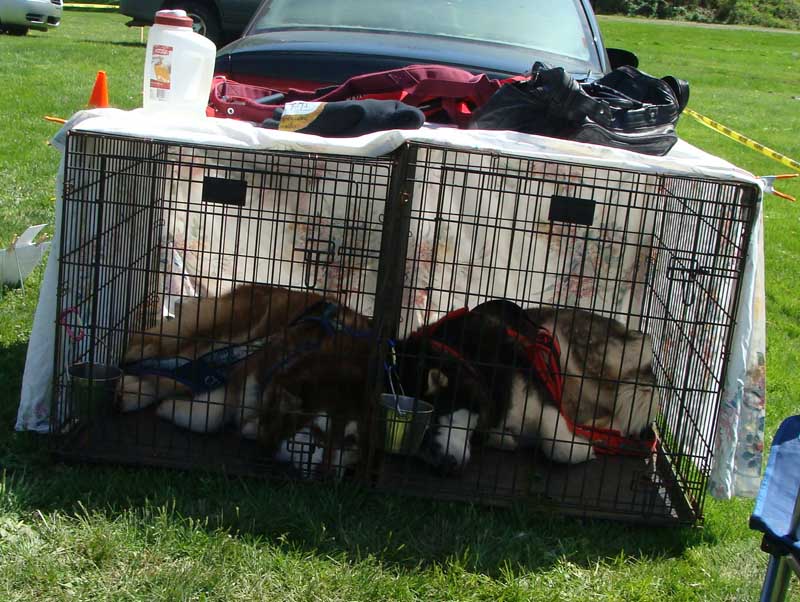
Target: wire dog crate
<point>349,276</point>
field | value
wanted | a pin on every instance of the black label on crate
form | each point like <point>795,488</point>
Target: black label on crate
<point>225,191</point>
<point>571,210</point>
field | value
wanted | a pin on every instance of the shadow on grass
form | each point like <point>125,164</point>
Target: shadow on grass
<point>12,362</point>
<point>341,521</point>
<point>116,43</point>
<point>347,522</point>
<point>17,450</point>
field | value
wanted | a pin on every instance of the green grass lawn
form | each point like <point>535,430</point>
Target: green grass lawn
<point>102,533</point>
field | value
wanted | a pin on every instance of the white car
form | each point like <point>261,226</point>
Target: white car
<point>18,16</point>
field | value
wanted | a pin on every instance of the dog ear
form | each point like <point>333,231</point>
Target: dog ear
<point>437,380</point>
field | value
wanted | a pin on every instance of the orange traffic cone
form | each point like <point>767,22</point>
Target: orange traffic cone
<point>99,97</point>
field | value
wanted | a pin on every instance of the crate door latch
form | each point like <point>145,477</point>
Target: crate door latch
<point>318,254</point>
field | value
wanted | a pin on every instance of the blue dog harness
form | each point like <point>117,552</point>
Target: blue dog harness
<point>211,370</point>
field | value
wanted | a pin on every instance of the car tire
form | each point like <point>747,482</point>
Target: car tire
<point>205,19</point>
<point>16,30</point>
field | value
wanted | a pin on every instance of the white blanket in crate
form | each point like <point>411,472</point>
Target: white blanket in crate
<point>738,446</point>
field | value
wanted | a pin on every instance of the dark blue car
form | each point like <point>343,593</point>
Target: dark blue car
<point>310,43</point>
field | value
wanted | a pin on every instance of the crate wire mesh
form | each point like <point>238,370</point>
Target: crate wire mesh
<point>173,224</point>
<point>150,228</point>
<point>658,254</point>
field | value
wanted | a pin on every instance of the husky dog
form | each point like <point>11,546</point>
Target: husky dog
<point>475,368</point>
<point>327,385</point>
<point>294,369</point>
<point>609,381</point>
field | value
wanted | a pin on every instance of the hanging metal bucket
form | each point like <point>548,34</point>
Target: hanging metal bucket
<point>403,421</point>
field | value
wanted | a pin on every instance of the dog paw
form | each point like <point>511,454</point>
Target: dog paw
<point>197,416</point>
<point>169,408</point>
<point>250,429</point>
<point>134,394</point>
<point>447,450</point>
<point>502,439</point>
<point>565,452</point>
<point>302,452</point>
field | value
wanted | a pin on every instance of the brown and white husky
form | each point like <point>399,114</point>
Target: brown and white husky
<point>295,378</point>
<point>476,371</point>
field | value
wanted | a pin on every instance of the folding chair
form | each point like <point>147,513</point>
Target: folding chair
<point>777,511</point>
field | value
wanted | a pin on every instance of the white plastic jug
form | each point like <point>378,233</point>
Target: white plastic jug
<point>178,67</point>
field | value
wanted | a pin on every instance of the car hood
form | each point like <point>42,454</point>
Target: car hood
<point>334,55</point>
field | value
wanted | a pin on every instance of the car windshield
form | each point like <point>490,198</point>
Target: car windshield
<point>557,28</point>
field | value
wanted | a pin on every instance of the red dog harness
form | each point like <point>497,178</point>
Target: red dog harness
<point>543,354</point>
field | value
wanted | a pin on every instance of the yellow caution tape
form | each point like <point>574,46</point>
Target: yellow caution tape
<point>751,144</point>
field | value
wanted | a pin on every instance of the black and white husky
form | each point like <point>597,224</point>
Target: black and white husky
<point>497,373</point>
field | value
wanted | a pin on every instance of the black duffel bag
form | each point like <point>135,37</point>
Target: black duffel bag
<point>625,109</point>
